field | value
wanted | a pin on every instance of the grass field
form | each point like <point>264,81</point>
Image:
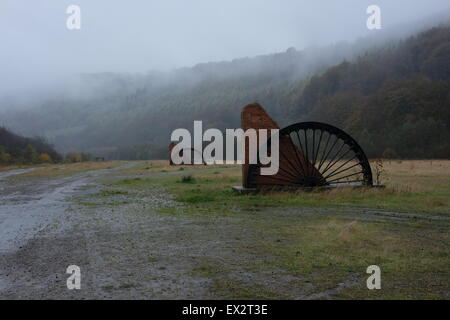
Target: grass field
<point>411,186</point>
<point>403,228</point>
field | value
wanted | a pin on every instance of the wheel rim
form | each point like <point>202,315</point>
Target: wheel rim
<point>314,154</point>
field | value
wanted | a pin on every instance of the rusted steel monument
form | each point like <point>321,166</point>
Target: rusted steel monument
<point>311,154</point>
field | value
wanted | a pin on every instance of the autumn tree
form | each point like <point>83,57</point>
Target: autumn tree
<point>45,158</point>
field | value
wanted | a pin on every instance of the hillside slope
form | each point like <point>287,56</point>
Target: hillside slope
<point>396,101</point>
<point>393,98</point>
<point>18,149</point>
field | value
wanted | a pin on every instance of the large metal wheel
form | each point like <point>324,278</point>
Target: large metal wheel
<point>314,154</point>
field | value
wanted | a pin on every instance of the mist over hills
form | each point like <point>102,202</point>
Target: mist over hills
<point>391,94</point>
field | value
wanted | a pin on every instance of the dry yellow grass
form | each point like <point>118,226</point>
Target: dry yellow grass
<point>153,166</point>
<point>403,175</point>
<point>15,167</point>
<point>69,168</point>
<point>411,186</point>
<point>416,175</point>
<point>400,175</point>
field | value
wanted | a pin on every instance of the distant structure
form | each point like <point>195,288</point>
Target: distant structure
<point>192,150</point>
<point>171,146</point>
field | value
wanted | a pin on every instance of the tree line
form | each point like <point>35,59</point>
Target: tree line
<point>395,101</point>
<point>15,149</point>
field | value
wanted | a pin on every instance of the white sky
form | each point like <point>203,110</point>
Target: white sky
<point>139,35</point>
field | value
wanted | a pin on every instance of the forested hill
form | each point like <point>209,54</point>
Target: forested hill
<point>394,98</point>
<point>15,149</point>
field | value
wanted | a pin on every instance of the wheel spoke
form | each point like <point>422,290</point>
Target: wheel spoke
<point>329,165</point>
<point>313,147</point>
<point>340,158</point>
<point>304,162</point>
<point>350,175</point>
<point>291,165</point>
<point>296,151</point>
<point>306,147</point>
<point>318,147</point>
<point>332,174</point>
<point>322,160</point>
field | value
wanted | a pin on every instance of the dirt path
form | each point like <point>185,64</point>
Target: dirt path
<point>127,251</point>
<point>30,208</point>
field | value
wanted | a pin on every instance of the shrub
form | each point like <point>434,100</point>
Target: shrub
<point>5,157</point>
<point>187,179</point>
<point>73,157</point>
<point>379,170</point>
<point>30,154</point>
<point>45,158</point>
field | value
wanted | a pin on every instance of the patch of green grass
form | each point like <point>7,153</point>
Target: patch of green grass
<point>328,251</point>
<point>196,198</point>
<point>208,270</point>
<point>108,288</point>
<point>385,199</point>
<point>90,203</point>
<point>129,182</point>
<point>188,179</point>
<point>126,286</point>
<point>110,193</point>
<point>213,190</point>
<point>103,203</point>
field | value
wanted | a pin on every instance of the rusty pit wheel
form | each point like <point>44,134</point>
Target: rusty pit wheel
<point>314,154</point>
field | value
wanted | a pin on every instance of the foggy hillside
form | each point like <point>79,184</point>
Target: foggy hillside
<point>401,82</point>
<point>395,100</point>
<point>145,108</point>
